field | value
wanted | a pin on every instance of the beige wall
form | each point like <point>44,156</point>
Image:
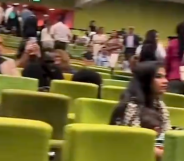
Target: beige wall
<point>144,15</point>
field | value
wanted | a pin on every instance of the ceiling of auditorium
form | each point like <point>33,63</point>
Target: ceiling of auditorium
<point>176,1</point>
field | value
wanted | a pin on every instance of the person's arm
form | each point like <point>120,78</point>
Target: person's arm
<point>138,50</point>
<point>161,52</point>
<point>9,68</point>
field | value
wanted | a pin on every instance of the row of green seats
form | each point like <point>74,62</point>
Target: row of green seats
<point>79,138</point>
<point>90,111</point>
<point>111,89</point>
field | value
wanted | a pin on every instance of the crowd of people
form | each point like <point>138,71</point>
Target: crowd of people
<point>155,69</point>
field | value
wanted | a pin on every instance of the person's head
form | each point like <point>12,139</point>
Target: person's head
<point>180,34</point>
<point>32,48</point>
<point>92,23</point>
<point>131,30</point>
<point>150,119</point>
<point>148,83</point>
<point>114,34</point>
<point>100,30</point>
<point>62,59</point>
<point>151,37</point>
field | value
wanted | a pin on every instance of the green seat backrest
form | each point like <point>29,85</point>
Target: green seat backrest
<point>174,100</point>
<point>112,92</point>
<point>176,116</point>
<point>92,142</point>
<point>120,72</point>
<point>24,140</point>
<point>94,111</point>
<point>121,77</point>
<point>74,89</point>
<point>47,107</point>
<point>77,67</point>
<point>112,82</point>
<point>105,75</point>
<point>173,146</point>
<point>98,69</point>
<point>10,82</point>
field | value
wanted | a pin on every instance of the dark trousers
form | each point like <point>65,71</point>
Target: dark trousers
<point>129,52</point>
<point>176,86</point>
<point>60,45</point>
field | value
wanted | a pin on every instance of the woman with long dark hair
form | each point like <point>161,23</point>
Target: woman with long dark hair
<point>148,84</point>
<point>151,50</point>
<point>174,60</point>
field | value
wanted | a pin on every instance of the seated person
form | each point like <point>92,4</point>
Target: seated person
<point>62,60</point>
<point>88,56</point>
<point>37,66</point>
<point>102,59</point>
<point>88,76</point>
<point>151,120</point>
<point>7,66</point>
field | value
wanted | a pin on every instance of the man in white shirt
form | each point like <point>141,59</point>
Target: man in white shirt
<point>131,42</point>
<point>61,34</point>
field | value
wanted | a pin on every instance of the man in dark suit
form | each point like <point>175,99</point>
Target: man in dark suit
<point>131,41</point>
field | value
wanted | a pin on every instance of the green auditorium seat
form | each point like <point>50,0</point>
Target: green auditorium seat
<point>98,69</point>
<point>74,89</point>
<point>10,82</point>
<point>174,100</point>
<point>94,111</point>
<point>47,107</point>
<point>24,140</point>
<point>120,72</point>
<point>104,75</point>
<point>173,146</point>
<point>121,77</point>
<point>92,142</point>
<point>77,67</point>
<point>112,82</point>
<point>176,116</point>
<point>112,92</point>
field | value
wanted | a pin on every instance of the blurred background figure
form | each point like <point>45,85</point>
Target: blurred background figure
<point>92,26</point>
<point>151,49</point>
<point>131,42</point>
<point>174,60</point>
<point>46,37</point>
<point>61,34</point>
<point>114,47</point>
<point>98,41</point>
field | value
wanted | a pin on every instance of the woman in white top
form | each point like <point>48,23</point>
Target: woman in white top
<point>46,37</point>
<point>98,41</point>
<point>151,49</point>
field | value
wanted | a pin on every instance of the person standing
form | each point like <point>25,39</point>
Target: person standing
<point>114,47</point>
<point>12,20</point>
<point>151,49</point>
<point>92,26</point>
<point>25,13</point>
<point>61,34</point>
<point>98,41</point>
<point>174,61</point>
<point>131,41</point>
<point>46,38</point>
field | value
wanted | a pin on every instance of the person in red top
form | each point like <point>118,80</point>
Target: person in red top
<point>174,59</point>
